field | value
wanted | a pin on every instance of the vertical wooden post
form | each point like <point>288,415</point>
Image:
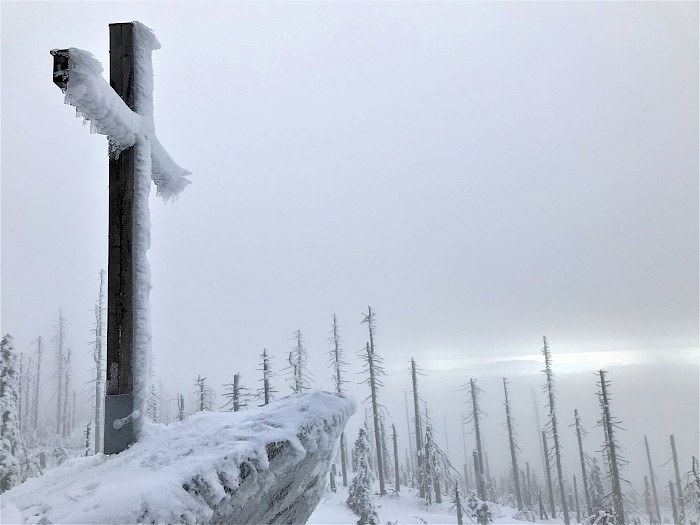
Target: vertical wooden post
<point>119,401</point>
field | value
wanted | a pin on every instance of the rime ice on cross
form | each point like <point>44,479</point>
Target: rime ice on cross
<point>123,110</point>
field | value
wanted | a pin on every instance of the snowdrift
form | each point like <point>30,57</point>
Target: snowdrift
<point>268,465</point>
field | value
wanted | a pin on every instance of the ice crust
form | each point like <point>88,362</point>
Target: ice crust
<point>97,103</point>
<point>267,465</point>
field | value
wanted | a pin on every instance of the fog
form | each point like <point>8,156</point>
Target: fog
<point>481,174</point>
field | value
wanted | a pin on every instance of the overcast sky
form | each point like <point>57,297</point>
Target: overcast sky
<point>481,174</point>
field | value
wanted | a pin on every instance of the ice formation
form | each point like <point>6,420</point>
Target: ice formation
<point>268,465</point>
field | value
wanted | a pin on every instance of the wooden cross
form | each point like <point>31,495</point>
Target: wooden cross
<point>123,110</point>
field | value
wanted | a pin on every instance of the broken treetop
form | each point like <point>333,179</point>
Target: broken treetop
<point>96,101</point>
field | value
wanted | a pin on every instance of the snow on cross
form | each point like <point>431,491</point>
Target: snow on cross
<point>123,110</point>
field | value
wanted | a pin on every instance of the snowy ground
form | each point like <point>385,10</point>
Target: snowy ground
<point>401,509</point>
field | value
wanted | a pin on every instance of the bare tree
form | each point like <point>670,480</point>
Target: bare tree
<point>419,432</point>
<point>66,414</point>
<point>409,464</point>
<point>652,478</point>
<point>611,448</point>
<point>180,407</point>
<point>457,503</point>
<point>266,368</point>
<point>297,365</point>
<point>37,383</point>
<point>549,386</point>
<point>679,489</point>
<point>60,340</point>
<point>374,368</point>
<point>338,363</point>
<point>673,503</point>
<point>237,395</point>
<point>397,483</point>
<point>474,417</point>
<point>98,356</point>
<point>579,433</point>
<point>548,474</point>
<point>513,446</point>
<point>204,394</point>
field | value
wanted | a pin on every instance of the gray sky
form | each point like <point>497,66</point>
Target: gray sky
<point>480,173</point>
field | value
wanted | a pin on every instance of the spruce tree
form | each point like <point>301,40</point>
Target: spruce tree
<point>10,437</point>
<point>360,495</point>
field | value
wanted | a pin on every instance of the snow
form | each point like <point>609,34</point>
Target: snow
<point>403,508</point>
<point>256,466</point>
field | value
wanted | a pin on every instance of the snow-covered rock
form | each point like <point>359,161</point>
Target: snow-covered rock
<point>268,465</point>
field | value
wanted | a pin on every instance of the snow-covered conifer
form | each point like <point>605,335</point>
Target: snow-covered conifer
<point>297,365</point>
<point>10,438</point>
<point>360,495</point>
<point>479,510</point>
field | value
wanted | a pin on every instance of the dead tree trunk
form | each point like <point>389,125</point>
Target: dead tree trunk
<point>578,508</point>
<point>475,418</point>
<point>548,474</point>
<point>419,439</point>
<point>555,433</point>
<point>266,369</point>
<point>673,503</point>
<point>647,500</point>
<point>652,478</point>
<point>65,428</point>
<point>180,407</point>
<point>396,461</point>
<point>99,359</point>
<point>679,489</point>
<point>337,363</point>
<point>458,503</point>
<point>375,418</point>
<point>582,457</point>
<point>374,369</point>
<point>611,447</point>
<point>513,452</point>
<point>60,357</point>
<point>408,428</point>
<point>38,383</point>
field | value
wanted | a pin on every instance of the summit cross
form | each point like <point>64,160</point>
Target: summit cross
<point>123,110</point>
